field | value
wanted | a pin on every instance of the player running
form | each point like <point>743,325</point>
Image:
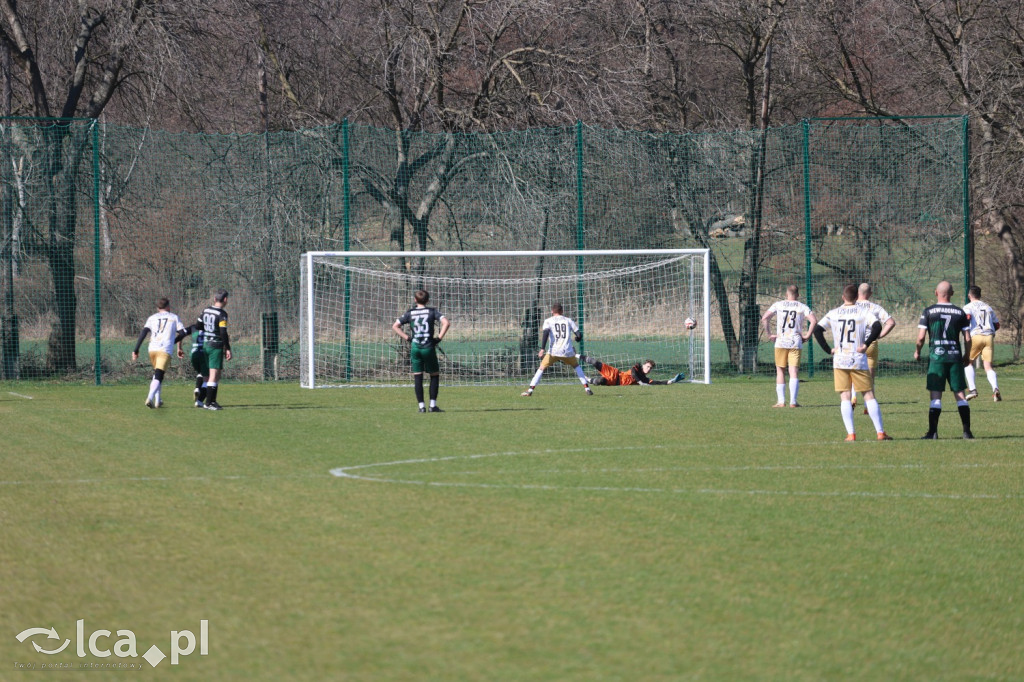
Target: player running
<point>984,325</point>
<point>637,374</point>
<point>853,330</point>
<point>557,336</point>
<point>789,339</point>
<point>198,359</point>
<point>164,326</point>
<point>423,349</point>
<point>865,303</point>
<point>944,323</point>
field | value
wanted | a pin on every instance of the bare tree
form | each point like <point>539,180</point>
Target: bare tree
<point>888,58</point>
<point>103,37</point>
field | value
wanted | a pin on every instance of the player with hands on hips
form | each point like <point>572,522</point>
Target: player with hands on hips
<point>423,346</point>
<point>789,336</point>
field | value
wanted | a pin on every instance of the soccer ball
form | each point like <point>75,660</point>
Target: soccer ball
<point>689,323</point>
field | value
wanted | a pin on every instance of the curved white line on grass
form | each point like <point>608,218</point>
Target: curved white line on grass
<point>347,472</point>
<point>18,395</point>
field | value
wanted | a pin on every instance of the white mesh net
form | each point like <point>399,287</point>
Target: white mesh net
<point>630,305</point>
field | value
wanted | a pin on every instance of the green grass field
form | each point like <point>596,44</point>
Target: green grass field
<point>648,533</point>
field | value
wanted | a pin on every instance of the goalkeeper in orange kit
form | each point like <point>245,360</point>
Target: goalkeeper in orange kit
<point>637,374</point>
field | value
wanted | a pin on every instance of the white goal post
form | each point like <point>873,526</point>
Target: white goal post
<point>631,306</point>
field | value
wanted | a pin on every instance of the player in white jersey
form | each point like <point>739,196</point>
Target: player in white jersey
<point>789,339</point>
<point>864,302</point>
<point>853,330</point>
<point>984,324</point>
<point>164,327</point>
<point>557,336</point>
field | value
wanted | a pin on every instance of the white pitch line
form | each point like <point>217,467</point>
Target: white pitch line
<point>754,467</point>
<point>157,479</point>
<point>346,472</point>
<point>18,395</point>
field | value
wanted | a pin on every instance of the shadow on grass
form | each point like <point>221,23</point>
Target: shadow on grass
<point>499,409</point>
<point>277,406</point>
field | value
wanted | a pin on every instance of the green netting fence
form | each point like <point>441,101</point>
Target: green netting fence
<point>99,220</point>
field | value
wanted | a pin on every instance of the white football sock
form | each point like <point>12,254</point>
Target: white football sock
<point>780,392</point>
<point>969,373</point>
<point>875,413</point>
<point>794,387</point>
<point>536,378</point>
<point>581,375</point>
<point>154,386</point>
<point>846,409</point>
<point>991,374</point>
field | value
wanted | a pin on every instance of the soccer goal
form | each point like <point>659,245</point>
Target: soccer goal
<point>630,305</point>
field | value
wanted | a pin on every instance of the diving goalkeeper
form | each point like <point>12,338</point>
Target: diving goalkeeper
<point>637,374</point>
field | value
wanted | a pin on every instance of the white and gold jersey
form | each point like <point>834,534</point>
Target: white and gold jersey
<point>875,309</point>
<point>983,318</point>
<point>850,325</point>
<point>789,323</point>
<point>163,327</point>
<point>562,331</point>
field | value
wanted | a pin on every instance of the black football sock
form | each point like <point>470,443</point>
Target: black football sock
<point>200,389</point>
<point>435,382</point>
<point>965,416</point>
<point>933,419</point>
<point>211,394</point>
<point>417,380</point>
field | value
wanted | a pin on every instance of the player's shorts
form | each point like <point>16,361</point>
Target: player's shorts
<point>160,359</point>
<point>787,357</point>
<point>424,359</point>
<point>872,353</point>
<point>550,359</point>
<point>982,345</point>
<point>214,357</point>
<point>199,363</point>
<point>939,373</point>
<point>860,379</point>
<point>616,378</point>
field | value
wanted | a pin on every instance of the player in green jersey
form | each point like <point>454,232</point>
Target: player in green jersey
<point>423,345</point>
<point>216,344</point>
<point>198,359</point>
<point>943,323</point>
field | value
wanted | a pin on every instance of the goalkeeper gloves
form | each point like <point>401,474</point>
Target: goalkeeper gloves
<point>678,377</point>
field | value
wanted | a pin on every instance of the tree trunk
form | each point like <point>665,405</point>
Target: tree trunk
<point>61,184</point>
<point>9,351</point>
<point>750,312</point>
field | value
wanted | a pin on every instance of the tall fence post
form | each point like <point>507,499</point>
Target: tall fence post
<point>809,281</point>
<point>580,225</point>
<point>97,305</point>
<point>968,241</point>
<point>346,221</point>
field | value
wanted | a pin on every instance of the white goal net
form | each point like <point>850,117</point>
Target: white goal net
<point>631,306</point>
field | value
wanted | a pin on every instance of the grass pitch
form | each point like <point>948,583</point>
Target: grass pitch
<point>646,533</point>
